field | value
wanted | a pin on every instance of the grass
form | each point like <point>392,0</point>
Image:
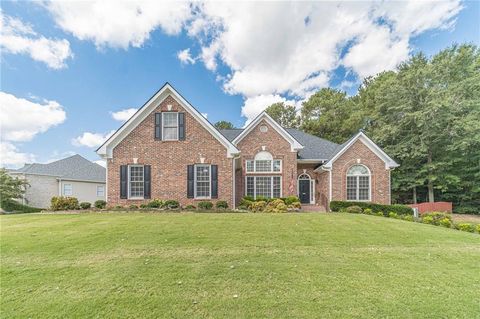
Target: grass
<point>185,265</point>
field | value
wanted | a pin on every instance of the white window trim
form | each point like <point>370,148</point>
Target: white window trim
<point>103,191</point>
<point>195,181</point>
<point>358,187</point>
<point>71,189</point>
<point>312,187</point>
<point>163,127</point>
<point>271,184</point>
<point>264,172</point>
<point>129,181</point>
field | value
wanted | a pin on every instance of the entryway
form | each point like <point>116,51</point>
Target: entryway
<point>306,189</point>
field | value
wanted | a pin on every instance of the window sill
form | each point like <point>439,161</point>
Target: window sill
<point>202,198</point>
<point>263,173</point>
<point>135,198</point>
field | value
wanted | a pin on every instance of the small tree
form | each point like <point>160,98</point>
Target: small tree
<point>224,125</point>
<point>11,187</point>
<point>285,115</point>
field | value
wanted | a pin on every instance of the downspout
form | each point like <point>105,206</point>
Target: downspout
<point>234,193</point>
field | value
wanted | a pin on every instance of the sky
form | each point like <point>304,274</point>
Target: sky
<point>73,71</point>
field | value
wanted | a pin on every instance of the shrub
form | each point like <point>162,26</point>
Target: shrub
<point>100,204</point>
<point>246,203</point>
<point>276,206</point>
<point>380,214</point>
<point>291,199</point>
<point>249,198</point>
<point>262,199</point>
<point>393,215</point>
<point>368,211</point>
<point>295,206</point>
<point>354,209</point>
<point>385,209</point>
<point>143,206</point>
<point>133,206</point>
<point>85,205</point>
<point>205,205</point>
<point>64,203</point>
<point>427,220</point>
<point>156,203</point>
<point>118,207</point>
<point>478,228</point>
<point>408,218</point>
<point>437,216</point>
<point>445,222</point>
<point>171,204</point>
<point>258,206</point>
<point>465,227</point>
<point>190,207</point>
<point>221,204</point>
<point>13,206</point>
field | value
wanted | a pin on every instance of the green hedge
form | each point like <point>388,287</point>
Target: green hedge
<point>336,206</point>
<point>16,207</point>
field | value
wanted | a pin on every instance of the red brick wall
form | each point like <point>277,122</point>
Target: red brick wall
<point>380,177</point>
<point>275,144</point>
<point>169,159</point>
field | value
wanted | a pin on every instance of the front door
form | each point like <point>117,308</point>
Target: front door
<point>304,191</point>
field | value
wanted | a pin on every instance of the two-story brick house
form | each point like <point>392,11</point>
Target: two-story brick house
<point>168,150</point>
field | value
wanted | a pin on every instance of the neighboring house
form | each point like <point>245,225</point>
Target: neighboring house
<point>73,176</point>
<point>168,150</point>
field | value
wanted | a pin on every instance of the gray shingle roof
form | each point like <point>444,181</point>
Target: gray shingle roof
<point>74,167</point>
<point>314,147</point>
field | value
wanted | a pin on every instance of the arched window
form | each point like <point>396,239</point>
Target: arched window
<point>358,183</point>
<point>264,163</point>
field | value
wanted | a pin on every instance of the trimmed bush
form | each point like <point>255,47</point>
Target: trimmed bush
<point>205,205</point>
<point>465,227</point>
<point>393,215</point>
<point>368,211</point>
<point>133,206</point>
<point>276,206</point>
<point>380,214</point>
<point>100,204</point>
<point>437,216</point>
<point>221,204</point>
<point>85,205</point>
<point>445,222</point>
<point>385,209</point>
<point>156,203</point>
<point>246,203</point>
<point>427,220</point>
<point>353,209</point>
<point>258,206</point>
<point>190,207</point>
<point>291,199</point>
<point>16,207</point>
<point>64,203</point>
<point>408,218</point>
<point>143,206</point>
<point>171,204</point>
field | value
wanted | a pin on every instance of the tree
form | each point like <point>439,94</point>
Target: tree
<point>330,114</point>
<point>10,187</point>
<point>285,115</point>
<point>224,125</point>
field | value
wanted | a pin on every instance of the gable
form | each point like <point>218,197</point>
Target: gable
<point>106,149</point>
<point>264,117</point>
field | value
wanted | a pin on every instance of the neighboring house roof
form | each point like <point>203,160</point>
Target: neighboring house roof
<point>294,144</point>
<point>389,162</point>
<point>71,168</point>
<point>106,149</point>
<point>314,147</point>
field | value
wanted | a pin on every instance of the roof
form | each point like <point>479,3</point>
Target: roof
<point>74,167</point>
<point>314,147</point>
<point>106,149</point>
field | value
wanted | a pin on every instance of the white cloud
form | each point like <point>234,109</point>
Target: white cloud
<point>11,157</point>
<point>22,119</point>
<point>19,38</point>
<point>89,139</point>
<point>119,24</point>
<point>101,163</point>
<point>185,57</point>
<point>253,106</point>
<point>123,115</point>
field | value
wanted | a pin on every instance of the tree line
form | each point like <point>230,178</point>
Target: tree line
<point>425,115</point>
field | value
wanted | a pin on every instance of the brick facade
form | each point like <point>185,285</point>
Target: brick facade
<point>169,159</point>
<point>361,154</point>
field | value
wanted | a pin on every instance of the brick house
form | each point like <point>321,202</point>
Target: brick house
<point>168,150</point>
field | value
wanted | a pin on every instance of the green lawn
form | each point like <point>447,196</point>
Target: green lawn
<point>184,265</point>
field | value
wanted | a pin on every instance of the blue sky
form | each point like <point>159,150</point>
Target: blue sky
<point>66,69</point>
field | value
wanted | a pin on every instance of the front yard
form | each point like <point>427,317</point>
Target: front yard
<point>117,265</point>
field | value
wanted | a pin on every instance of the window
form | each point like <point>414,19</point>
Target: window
<point>135,181</point>
<point>266,186</point>
<point>358,183</point>
<point>202,181</point>
<point>100,191</point>
<point>170,126</point>
<point>67,190</point>
<point>263,163</point>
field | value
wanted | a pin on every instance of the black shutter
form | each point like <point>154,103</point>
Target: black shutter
<point>158,126</point>
<point>214,173</point>
<point>147,181</point>
<point>181,126</point>
<point>123,181</point>
<point>190,181</point>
